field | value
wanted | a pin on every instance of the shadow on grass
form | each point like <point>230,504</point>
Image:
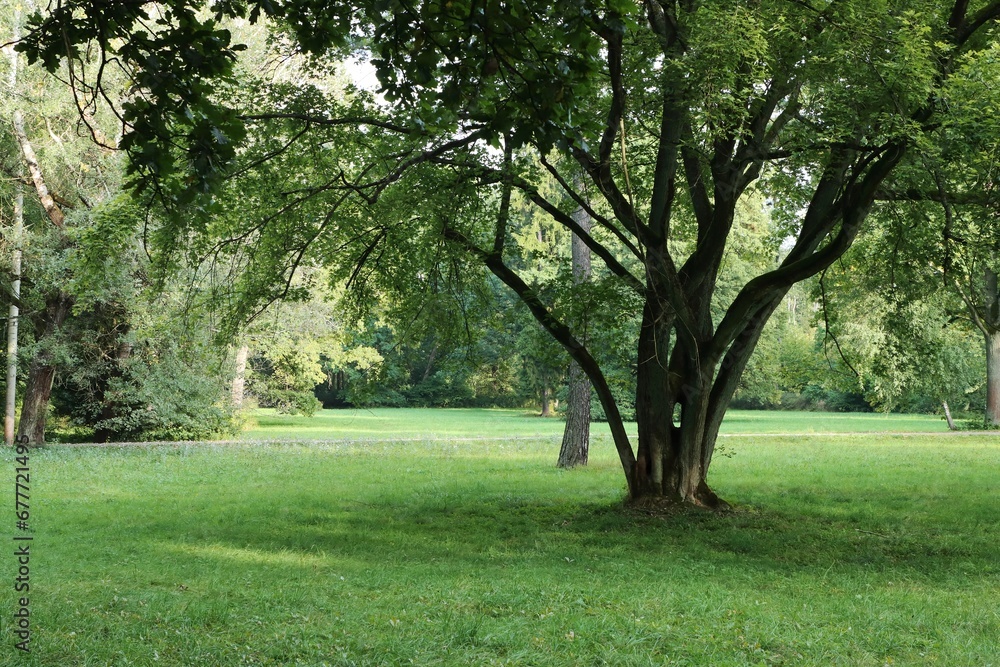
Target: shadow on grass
<point>505,531</point>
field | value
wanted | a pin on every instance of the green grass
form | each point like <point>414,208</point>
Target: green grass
<point>382,423</point>
<point>855,551</point>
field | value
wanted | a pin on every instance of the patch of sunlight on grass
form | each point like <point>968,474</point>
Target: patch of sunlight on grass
<point>249,556</point>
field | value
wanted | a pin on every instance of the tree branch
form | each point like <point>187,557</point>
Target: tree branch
<point>562,334</point>
<point>567,221</point>
<point>703,209</point>
<point>958,12</point>
<point>600,174</point>
<point>582,203</point>
<point>988,13</point>
<point>31,160</point>
<point>500,234</point>
<point>617,110</point>
<point>665,174</point>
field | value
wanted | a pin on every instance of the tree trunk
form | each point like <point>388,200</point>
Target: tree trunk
<point>675,453</point>
<point>240,376</point>
<point>41,373</point>
<point>993,377</point>
<point>546,401</point>
<point>15,271</point>
<point>576,435</point>
<point>430,363</point>
<point>12,321</point>
<point>988,320</point>
<point>654,407</point>
<point>947,416</point>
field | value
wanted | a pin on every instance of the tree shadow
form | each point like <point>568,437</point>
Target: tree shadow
<point>831,532</point>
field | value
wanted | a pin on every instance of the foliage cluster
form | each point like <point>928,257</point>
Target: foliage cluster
<point>131,358</point>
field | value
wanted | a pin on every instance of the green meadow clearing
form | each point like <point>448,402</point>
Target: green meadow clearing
<point>447,538</point>
<point>436,423</point>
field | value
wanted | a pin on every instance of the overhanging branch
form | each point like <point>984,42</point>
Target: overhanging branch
<point>562,334</point>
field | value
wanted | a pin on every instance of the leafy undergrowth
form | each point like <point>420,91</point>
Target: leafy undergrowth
<point>861,551</point>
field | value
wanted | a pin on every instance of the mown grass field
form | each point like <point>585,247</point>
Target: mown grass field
<point>860,550</point>
<point>381,423</point>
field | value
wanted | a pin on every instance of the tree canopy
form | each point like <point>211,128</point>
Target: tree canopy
<point>662,120</point>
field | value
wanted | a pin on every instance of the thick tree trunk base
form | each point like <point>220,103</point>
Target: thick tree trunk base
<point>704,498</point>
<point>34,407</point>
<point>41,373</point>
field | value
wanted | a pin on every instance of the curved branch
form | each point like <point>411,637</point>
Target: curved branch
<point>564,336</point>
<point>567,221</point>
<point>990,12</point>
<point>582,203</point>
<point>488,175</point>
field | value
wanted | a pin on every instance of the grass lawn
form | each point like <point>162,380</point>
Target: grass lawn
<point>856,551</point>
<point>382,423</point>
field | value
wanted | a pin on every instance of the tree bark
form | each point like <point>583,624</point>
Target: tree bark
<point>993,377</point>
<point>239,378</point>
<point>947,416</point>
<point>575,448</point>
<point>15,270</point>
<point>654,405</point>
<point>31,160</point>
<point>41,373</point>
<point>430,363</point>
<point>12,321</point>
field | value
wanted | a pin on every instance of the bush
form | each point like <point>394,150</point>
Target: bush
<point>292,402</point>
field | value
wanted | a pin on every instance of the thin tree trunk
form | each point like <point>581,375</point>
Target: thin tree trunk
<point>15,270</point>
<point>12,321</point>
<point>430,363</point>
<point>41,373</point>
<point>989,323</point>
<point>546,401</point>
<point>240,377</point>
<point>947,416</point>
<point>575,448</point>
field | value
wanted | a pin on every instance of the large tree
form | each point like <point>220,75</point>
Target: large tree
<point>674,111</point>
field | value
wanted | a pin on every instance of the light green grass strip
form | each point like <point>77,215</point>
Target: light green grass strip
<point>409,423</point>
